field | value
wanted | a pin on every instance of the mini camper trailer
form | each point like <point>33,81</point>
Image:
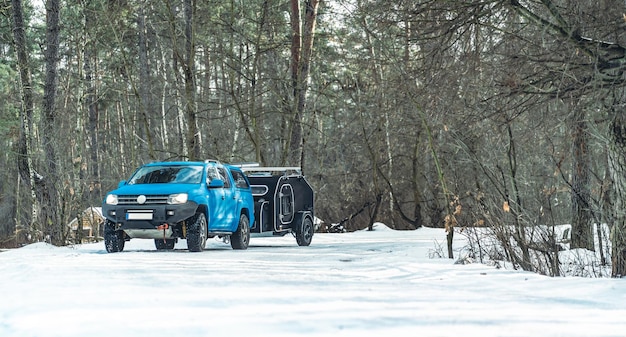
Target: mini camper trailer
<point>283,202</point>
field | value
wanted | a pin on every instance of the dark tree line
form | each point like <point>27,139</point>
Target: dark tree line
<point>497,113</point>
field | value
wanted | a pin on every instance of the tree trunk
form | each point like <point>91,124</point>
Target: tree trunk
<point>50,202</point>
<point>91,106</point>
<point>24,163</point>
<point>378,78</point>
<point>164,95</point>
<point>617,167</point>
<point>194,140</point>
<point>296,49</point>
<point>296,43</point>
<point>514,204</point>
<point>300,70</point>
<point>374,213</point>
<point>417,188</point>
<point>145,103</point>
<point>581,234</point>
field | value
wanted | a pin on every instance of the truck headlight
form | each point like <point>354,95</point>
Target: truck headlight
<point>111,199</point>
<point>179,198</point>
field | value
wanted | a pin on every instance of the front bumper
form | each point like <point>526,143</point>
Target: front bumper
<point>148,217</point>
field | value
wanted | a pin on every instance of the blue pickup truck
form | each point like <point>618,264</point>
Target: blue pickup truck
<point>167,201</point>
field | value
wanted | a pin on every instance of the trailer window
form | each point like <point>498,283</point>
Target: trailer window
<point>259,190</point>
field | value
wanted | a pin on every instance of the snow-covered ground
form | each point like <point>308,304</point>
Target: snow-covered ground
<point>380,283</point>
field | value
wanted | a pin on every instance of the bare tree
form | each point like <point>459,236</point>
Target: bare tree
<point>25,163</point>
<point>146,104</point>
<point>194,138</point>
<point>603,64</point>
<point>617,167</point>
<point>581,234</point>
<point>301,58</point>
<point>50,201</point>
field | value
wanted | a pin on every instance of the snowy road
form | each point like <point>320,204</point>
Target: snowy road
<point>379,283</point>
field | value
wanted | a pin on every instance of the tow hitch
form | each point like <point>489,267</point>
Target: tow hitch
<point>163,227</point>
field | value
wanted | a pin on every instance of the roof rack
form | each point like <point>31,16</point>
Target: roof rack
<point>270,169</point>
<point>245,165</point>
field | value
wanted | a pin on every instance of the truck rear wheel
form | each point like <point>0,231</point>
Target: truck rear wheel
<point>113,240</point>
<point>196,233</point>
<point>304,232</point>
<point>241,238</point>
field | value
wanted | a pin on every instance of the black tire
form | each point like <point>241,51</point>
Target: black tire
<point>164,244</point>
<point>113,240</point>
<point>304,232</point>
<point>196,233</point>
<point>241,238</point>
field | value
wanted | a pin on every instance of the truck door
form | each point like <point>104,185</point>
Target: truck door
<point>226,204</point>
<point>220,201</point>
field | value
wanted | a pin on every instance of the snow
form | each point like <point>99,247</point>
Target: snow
<point>378,283</point>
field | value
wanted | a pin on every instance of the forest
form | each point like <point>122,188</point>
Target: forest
<point>502,114</point>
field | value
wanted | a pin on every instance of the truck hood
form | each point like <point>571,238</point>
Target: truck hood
<point>152,189</point>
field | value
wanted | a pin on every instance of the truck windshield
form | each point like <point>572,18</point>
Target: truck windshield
<point>167,175</point>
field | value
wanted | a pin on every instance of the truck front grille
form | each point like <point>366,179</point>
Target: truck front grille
<point>150,200</point>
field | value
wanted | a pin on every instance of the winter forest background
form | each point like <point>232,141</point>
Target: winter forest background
<point>507,115</point>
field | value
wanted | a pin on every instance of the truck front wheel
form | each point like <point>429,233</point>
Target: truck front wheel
<point>241,238</point>
<point>113,240</point>
<point>196,233</point>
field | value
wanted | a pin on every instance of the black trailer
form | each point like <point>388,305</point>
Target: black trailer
<point>283,202</point>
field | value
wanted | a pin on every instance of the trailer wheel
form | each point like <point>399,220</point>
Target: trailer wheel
<point>304,232</point>
<point>113,240</point>
<point>164,244</point>
<point>241,238</point>
<point>196,233</point>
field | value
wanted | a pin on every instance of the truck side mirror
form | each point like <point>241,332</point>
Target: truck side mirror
<point>122,183</point>
<point>216,183</point>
